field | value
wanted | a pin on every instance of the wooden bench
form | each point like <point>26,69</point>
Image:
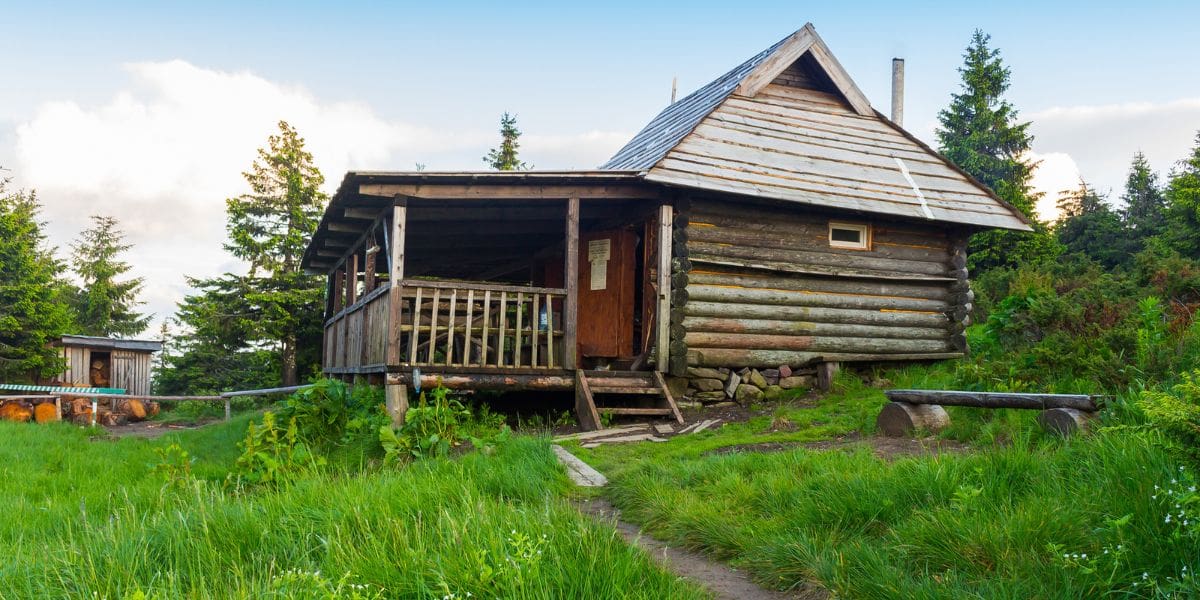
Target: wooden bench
<point>922,409</point>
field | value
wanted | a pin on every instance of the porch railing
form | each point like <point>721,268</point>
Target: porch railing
<point>357,336</point>
<point>470,324</point>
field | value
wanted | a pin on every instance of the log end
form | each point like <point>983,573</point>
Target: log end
<point>901,419</point>
<point>45,412</point>
<point>1064,421</point>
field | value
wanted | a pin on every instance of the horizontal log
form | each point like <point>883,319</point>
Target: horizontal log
<point>266,392</point>
<point>783,327</point>
<point>739,357</point>
<point>807,269</point>
<point>887,266</point>
<point>815,239</point>
<point>1082,402</point>
<point>700,340</point>
<point>815,314</point>
<point>931,291</point>
<point>742,295</point>
<point>515,383</point>
<point>769,218</point>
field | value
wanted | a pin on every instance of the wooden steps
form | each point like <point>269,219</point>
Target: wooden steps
<point>621,393</point>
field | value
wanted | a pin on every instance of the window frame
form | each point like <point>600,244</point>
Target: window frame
<point>865,237</point>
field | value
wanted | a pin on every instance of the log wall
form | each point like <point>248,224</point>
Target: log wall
<point>757,286</point>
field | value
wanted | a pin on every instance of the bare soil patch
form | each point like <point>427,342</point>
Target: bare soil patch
<point>152,429</point>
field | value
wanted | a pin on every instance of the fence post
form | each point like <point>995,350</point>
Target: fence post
<point>227,410</point>
<point>95,408</point>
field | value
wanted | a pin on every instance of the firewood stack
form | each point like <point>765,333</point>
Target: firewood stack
<point>79,410</point>
<point>20,411</point>
<point>100,376</point>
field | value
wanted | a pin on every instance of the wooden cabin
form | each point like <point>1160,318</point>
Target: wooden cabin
<point>770,220</point>
<point>107,363</point>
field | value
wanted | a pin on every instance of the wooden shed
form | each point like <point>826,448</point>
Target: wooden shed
<point>107,363</point>
<point>771,220</point>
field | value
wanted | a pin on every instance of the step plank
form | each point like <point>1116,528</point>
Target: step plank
<point>608,389</point>
<point>621,410</point>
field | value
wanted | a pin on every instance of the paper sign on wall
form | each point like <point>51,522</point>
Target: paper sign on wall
<point>599,252</point>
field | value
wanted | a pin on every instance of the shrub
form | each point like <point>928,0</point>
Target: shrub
<point>272,455</point>
<point>331,413</point>
<point>1175,415</point>
<point>434,427</point>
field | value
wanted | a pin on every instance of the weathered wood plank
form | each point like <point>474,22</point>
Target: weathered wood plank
<point>571,270</point>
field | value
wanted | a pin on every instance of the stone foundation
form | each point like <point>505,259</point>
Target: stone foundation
<point>709,386</point>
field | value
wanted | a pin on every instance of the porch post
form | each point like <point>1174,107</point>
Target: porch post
<point>662,320</point>
<point>396,393</point>
<point>571,277</point>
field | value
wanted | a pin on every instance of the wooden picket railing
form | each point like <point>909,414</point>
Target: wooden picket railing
<point>471,324</point>
<point>357,335</point>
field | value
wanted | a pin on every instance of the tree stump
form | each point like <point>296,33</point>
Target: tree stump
<point>900,419</point>
<point>45,413</point>
<point>1064,421</point>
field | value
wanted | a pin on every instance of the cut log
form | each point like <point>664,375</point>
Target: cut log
<point>1064,421</point>
<point>17,411</point>
<point>1082,402</point>
<point>152,409</point>
<point>45,412</point>
<point>134,409</point>
<point>900,419</point>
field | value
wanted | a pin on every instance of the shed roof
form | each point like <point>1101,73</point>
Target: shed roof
<point>88,341</point>
<point>790,124</point>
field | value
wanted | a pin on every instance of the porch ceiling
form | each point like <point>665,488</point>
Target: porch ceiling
<point>477,218</point>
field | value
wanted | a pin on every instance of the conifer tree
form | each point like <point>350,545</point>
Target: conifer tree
<point>1089,226</point>
<point>269,227</point>
<point>505,157</point>
<point>981,134</point>
<point>1183,201</point>
<point>105,304</point>
<point>33,308</point>
<point>1145,211</point>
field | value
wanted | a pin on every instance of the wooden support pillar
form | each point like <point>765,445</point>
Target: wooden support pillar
<point>352,280</point>
<point>396,398</point>
<point>662,319</point>
<point>571,270</point>
<point>826,371</point>
<point>395,392</point>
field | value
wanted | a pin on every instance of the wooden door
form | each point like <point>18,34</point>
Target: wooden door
<point>607,266</point>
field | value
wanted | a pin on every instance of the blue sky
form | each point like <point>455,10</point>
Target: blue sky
<point>130,107</point>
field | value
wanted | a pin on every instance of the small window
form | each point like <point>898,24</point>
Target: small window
<point>850,235</point>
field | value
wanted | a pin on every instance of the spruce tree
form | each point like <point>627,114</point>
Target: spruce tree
<point>1183,204</point>
<point>269,227</point>
<point>105,304</point>
<point>33,308</point>
<point>1090,227</point>
<point>981,134</point>
<point>505,157</point>
<point>1145,211</point>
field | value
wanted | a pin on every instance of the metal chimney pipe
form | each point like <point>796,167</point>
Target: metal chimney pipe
<point>898,91</point>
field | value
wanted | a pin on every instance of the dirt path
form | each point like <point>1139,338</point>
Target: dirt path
<point>718,578</point>
<point>151,429</point>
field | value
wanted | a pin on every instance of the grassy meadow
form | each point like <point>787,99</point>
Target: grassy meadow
<point>93,518</point>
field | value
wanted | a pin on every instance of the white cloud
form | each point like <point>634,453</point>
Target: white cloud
<point>1101,140</point>
<point>164,154</point>
<point>1056,172</point>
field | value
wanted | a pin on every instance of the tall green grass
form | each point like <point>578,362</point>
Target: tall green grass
<point>92,519</point>
<point>993,524</point>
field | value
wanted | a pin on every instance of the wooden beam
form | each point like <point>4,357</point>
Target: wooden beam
<point>395,296</point>
<point>787,53</point>
<point>361,213</point>
<point>571,269</point>
<point>344,227</point>
<point>662,320</point>
<point>486,191</point>
<point>1081,402</point>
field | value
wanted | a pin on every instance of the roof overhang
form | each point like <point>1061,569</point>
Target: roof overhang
<point>364,196</point>
<point>103,343</point>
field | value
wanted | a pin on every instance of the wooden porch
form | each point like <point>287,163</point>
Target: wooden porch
<point>477,284</point>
